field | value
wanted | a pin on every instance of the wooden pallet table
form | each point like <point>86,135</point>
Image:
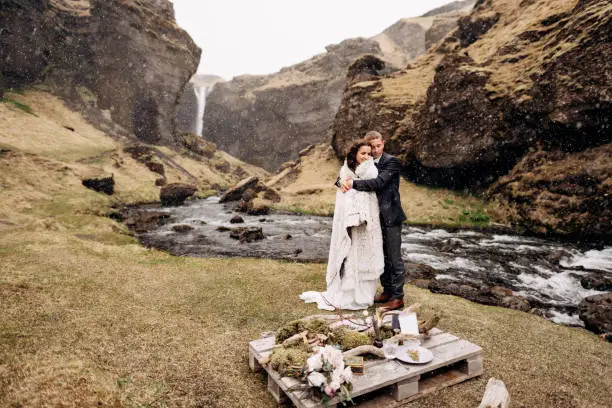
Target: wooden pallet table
<point>455,360</point>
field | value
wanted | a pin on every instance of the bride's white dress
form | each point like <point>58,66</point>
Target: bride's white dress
<point>356,258</point>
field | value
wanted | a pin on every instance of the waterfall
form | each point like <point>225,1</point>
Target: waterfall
<point>200,93</point>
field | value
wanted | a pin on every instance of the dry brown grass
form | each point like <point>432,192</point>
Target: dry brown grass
<point>43,133</point>
<point>517,18</point>
<point>91,318</point>
<point>411,87</point>
<point>317,172</point>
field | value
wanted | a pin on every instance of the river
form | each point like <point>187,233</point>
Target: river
<point>552,275</point>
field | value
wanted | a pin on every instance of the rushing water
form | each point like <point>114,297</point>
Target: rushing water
<point>553,276</point>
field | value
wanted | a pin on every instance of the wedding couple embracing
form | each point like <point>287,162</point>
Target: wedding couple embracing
<point>366,233</point>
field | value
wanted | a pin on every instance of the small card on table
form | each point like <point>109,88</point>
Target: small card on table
<point>408,323</point>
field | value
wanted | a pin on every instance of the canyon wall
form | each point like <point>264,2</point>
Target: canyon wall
<point>122,62</point>
<point>515,103</point>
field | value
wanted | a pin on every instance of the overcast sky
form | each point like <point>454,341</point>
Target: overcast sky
<point>262,36</point>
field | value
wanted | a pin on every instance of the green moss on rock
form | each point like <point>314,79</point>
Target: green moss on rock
<point>349,339</point>
<point>289,361</point>
<point>314,326</point>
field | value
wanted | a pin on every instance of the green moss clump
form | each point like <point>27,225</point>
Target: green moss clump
<point>386,333</point>
<point>288,330</point>
<point>289,361</point>
<point>349,339</point>
<point>314,326</point>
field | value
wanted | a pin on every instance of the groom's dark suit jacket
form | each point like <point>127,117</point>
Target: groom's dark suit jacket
<point>386,186</point>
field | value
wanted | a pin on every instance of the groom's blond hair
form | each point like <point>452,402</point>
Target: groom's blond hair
<point>373,135</point>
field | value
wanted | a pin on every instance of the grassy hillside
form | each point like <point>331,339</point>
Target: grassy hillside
<point>91,318</point>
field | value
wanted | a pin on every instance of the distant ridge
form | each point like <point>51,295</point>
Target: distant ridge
<point>450,7</point>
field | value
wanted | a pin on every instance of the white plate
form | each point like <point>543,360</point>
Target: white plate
<point>425,356</point>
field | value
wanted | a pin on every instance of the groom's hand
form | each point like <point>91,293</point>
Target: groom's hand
<point>347,184</point>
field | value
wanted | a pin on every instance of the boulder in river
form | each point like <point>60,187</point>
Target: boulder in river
<point>596,312</point>
<point>249,194</point>
<point>176,193</point>
<point>272,195</point>
<point>247,234</point>
<point>484,294</point>
<point>597,281</point>
<point>182,228</point>
<point>414,271</point>
<point>143,221</point>
<point>236,219</point>
<point>258,208</point>
<point>235,193</point>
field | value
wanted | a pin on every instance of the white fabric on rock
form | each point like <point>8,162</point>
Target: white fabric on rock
<point>361,251</point>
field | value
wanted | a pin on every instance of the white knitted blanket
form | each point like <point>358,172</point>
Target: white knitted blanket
<point>356,209</point>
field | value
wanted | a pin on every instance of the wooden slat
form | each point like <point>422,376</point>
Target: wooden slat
<point>448,354</point>
<point>258,349</point>
<point>263,344</point>
<point>445,354</point>
<point>435,331</point>
<point>443,338</point>
<point>435,383</point>
<point>264,355</point>
<point>299,397</point>
<point>380,376</point>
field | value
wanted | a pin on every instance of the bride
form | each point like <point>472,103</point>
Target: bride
<point>356,258</point>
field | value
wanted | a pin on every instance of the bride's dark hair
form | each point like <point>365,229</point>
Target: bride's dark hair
<point>351,156</point>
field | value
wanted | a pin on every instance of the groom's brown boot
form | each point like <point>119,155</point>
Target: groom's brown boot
<point>393,304</point>
<point>382,298</point>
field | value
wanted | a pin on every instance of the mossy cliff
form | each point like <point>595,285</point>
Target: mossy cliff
<point>515,81</point>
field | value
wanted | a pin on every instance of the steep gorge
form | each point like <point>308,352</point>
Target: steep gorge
<point>268,119</point>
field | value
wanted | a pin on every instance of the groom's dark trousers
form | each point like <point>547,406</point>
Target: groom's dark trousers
<point>386,186</point>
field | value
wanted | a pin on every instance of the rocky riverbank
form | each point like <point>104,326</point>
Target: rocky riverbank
<point>546,277</point>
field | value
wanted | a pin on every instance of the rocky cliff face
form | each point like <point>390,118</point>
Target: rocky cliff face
<point>516,80</point>
<point>267,120</point>
<point>126,58</point>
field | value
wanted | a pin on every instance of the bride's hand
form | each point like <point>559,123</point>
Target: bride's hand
<point>347,184</point>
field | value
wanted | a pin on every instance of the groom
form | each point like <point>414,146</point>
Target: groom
<point>386,186</point>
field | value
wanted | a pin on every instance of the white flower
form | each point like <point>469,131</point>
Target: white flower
<point>347,375</point>
<point>314,362</point>
<point>334,385</point>
<point>327,371</point>
<point>365,313</point>
<point>337,378</point>
<point>333,356</point>
<point>316,379</point>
